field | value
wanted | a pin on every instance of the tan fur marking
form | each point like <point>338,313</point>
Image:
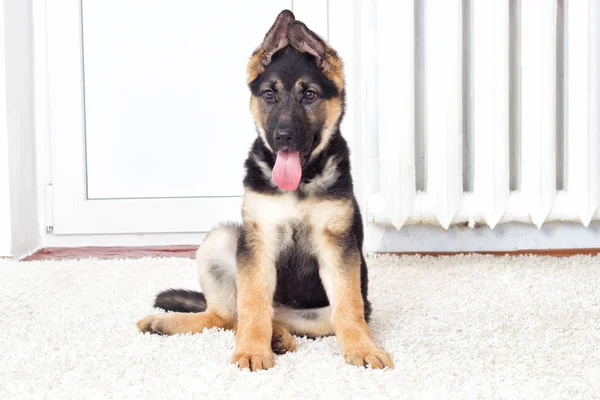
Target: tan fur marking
<point>299,83</point>
<point>332,217</point>
<point>255,66</point>
<point>174,323</point>
<point>335,72</point>
<point>333,113</point>
<point>305,81</point>
<point>255,110</point>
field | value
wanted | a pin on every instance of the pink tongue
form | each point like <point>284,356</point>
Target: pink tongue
<point>287,170</point>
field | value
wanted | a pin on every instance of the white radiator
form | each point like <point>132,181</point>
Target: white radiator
<point>481,111</point>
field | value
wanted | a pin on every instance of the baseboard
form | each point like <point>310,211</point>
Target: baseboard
<point>504,238</point>
<point>544,252</point>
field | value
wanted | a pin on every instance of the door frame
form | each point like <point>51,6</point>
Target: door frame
<point>72,212</point>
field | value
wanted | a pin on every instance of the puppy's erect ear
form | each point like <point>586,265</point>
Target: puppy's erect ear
<point>306,41</point>
<point>275,39</point>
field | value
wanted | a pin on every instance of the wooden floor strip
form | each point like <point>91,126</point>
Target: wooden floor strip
<point>107,253</point>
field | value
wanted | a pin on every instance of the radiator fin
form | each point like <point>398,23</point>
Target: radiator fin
<point>490,107</point>
<point>443,64</point>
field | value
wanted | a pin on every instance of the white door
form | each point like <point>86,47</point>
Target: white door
<point>149,109</point>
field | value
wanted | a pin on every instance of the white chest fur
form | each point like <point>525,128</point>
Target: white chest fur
<point>276,213</point>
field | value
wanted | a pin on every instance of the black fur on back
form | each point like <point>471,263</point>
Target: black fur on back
<point>181,300</point>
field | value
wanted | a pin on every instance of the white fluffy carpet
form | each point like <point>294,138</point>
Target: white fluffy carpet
<point>456,327</point>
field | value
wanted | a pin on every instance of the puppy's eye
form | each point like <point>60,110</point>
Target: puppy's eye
<point>310,95</point>
<point>268,95</point>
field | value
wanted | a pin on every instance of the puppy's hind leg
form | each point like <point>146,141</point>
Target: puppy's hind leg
<point>314,322</point>
<point>216,307</point>
<point>282,340</point>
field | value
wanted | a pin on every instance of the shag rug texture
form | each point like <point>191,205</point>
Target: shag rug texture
<point>457,327</point>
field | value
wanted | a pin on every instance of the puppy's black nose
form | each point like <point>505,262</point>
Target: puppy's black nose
<point>284,136</point>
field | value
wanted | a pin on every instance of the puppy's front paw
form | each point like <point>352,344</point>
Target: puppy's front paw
<point>254,362</point>
<point>376,358</point>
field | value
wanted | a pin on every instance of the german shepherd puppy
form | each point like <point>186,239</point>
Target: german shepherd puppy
<point>295,265</point>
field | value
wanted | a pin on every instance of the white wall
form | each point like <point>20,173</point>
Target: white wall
<point>25,146</point>
<point>42,123</point>
<point>20,127</point>
<point>5,220</point>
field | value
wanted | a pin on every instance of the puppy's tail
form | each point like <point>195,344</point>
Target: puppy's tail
<point>181,300</point>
